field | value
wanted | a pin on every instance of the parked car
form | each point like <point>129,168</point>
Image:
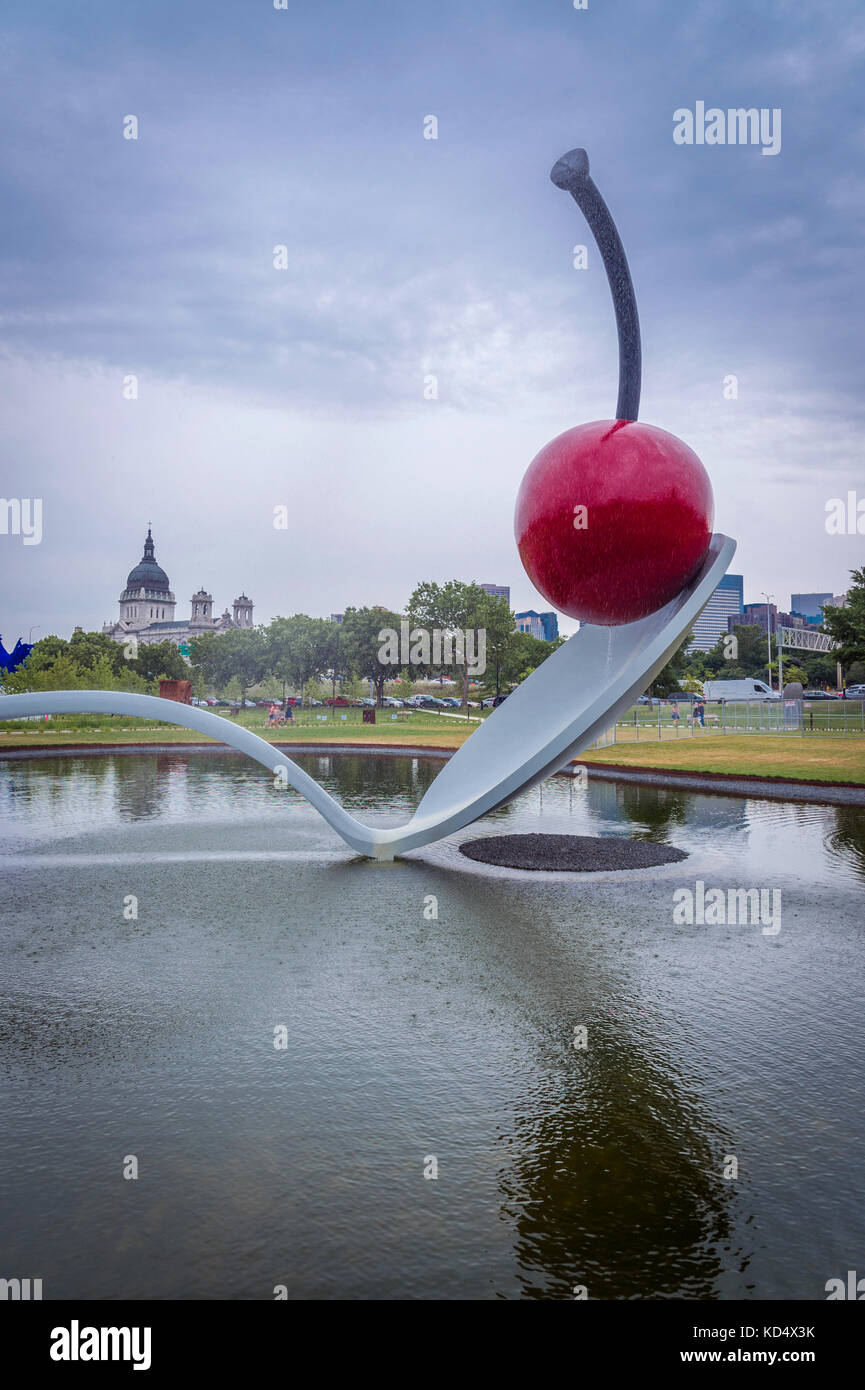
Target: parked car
<point>855,692</point>
<point>430,702</point>
<point>746,689</point>
<point>391,702</point>
<point>337,701</point>
<point>451,702</point>
<point>820,695</point>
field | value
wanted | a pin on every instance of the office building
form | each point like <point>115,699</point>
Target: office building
<point>544,626</point>
<point>810,606</point>
<point>498,591</point>
<point>761,615</point>
<point>726,601</point>
<point>764,616</point>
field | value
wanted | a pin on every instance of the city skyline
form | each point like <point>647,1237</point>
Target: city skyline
<point>732,581</point>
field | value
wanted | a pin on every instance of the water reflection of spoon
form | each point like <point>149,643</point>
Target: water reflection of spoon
<point>556,712</point>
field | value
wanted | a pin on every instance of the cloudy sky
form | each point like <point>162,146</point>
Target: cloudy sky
<point>304,387</point>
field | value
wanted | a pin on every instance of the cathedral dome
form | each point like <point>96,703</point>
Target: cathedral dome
<point>147,574</point>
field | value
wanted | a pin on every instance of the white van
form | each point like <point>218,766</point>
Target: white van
<point>745,689</point>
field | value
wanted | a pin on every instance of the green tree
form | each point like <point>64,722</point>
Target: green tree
<point>847,625</point>
<point>88,661</point>
<point>333,654</point>
<point>45,671</point>
<point>240,652</point>
<point>314,690</point>
<point>691,683</point>
<point>500,626</point>
<point>367,652</point>
<point>522,654</point>
<point>742,652</point>
<point>819,666</point>
<point>403,687</point>
<point>351,686</point>
<point>233,690</point>
<point>676,668</point>
<point>456,607</point>
<point>86,648</point>
<point>791,672</point>
<point>297,648</point>
<point>158,661</point>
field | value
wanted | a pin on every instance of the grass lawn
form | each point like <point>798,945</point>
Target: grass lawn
<point>818,758</point>
<point>425,728</point>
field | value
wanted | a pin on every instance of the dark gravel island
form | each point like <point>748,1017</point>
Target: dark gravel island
<point>579,854</point>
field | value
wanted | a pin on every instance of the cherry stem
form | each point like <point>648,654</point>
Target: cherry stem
<point>571,172</point>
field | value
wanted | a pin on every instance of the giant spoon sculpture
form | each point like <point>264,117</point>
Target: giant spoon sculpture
<point>613,524</point>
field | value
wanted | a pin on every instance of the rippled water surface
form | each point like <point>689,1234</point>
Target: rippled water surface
<point>410,1037</point>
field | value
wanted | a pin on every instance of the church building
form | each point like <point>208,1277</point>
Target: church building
<point>147,608</point>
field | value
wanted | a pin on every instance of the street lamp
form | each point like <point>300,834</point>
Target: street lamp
<point>768,598</point>
<point>32,630</point>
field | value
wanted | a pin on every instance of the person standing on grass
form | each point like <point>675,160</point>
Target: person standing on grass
<point>700,711</point>
<point>674,714</point>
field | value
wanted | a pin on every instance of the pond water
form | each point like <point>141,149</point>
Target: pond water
<point>706,1142</point>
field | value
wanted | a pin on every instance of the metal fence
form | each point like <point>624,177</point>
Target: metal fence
<point>665,719</point>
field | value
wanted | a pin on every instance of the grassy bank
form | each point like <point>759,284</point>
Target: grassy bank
<point>423,728</point>
<point>812,758</point>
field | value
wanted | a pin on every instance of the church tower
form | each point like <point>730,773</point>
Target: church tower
<point>202,609</point>
<point>147,597</point>
<point>242,611</point>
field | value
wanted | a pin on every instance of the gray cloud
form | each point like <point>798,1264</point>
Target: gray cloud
<point>408,257</point>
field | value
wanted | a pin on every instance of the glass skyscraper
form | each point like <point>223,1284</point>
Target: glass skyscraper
<point>727,600</point>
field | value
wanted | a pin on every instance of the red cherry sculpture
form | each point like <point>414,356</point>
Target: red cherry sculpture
<point>613,518</point>
<point>644,530</point>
